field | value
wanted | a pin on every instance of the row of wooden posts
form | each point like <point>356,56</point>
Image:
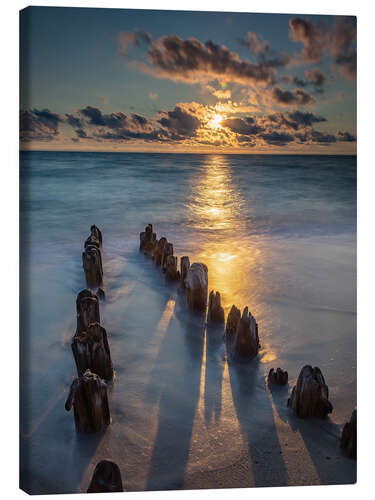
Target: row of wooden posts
<point>88,391</point>
<point>91,351</point>
<point>309,397</point>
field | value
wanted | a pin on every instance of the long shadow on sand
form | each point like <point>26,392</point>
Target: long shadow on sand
<point>215,355</point>
<point>178,397</point>
<point>255,416</point>
<point>321,439</point>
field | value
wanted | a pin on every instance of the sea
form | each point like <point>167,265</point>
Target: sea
<point>277,233</point>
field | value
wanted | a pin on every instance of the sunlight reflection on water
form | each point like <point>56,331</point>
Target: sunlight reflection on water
<point>216,208</point>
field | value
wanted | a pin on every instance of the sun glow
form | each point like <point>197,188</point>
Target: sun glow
<point>216,121</point>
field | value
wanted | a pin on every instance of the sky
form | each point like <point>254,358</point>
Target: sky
<point>174,81</point>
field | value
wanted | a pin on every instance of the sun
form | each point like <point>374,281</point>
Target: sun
<point>216,121</point>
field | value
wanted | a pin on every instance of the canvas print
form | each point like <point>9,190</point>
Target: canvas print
<point>187,250</point>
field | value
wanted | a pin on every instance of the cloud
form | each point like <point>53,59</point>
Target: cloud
<point>278,129</point>
<point>41,125</point>
<point>222,94</point>
<point>342,46</point>
<point>277,139</point>
<point>314,39</point>
<point>305,119</point>
<point>322,137</point>
<point>188,123</point>
<point>82,134</point>
<point>180,122</point>
<point>74,121</point>
<point>255,44</point>
<point>315,76</point>
<point>286,97</point>
<point>118,126</point>
<point>96,117</point>
<point>294,120</point>
<point>135,38</point>
<point>261,48</point>
<point>345,137</point>
<point>192,61</point>
<point>243,126</point>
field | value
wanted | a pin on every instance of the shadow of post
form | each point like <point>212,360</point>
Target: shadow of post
<point>321,438</point>
<point>215,357</point>
<point>178,399</point>
<point>256,419</point>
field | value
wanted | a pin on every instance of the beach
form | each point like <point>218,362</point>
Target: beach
<point>277,233</point>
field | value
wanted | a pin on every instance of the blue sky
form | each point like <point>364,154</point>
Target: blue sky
<point>161,67</point>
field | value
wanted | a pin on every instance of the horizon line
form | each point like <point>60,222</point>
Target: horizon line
<point>181,152</point>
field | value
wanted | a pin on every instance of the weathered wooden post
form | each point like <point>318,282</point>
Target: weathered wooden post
<point>233,319</point>
<point>159,249</point>
<point>171,271</point>
<point>184,266</point>
<point>167,251</point>
<point>106,478</point>
<point>196,283</point>
<point>309,397</point>
<point>91,351</point>
<point>147,241</point>
<point>95,237</point>
<point>87,306</point>
<point>348,441</point>
<point>246,340</point>
<point>88,396</point>
<point>92,265</point>
<point>215,310</point>
<point>278,377</point>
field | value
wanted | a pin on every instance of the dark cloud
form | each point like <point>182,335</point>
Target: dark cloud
<point>176,58</point>
<point>294,120</point>
<point>277,138</point>
<point>342,46</point>
<point>180,122</point>
<point>81,133</point>
<point>305,119</point>
<point>243,126</point>
<point>116,126</point>
<point>74,121</point>
<point>345,137</point>
<point>286,97</point>
<point>96,117</point>
<point>322,138</point>
<point>41,125</point>
<point>313,78</point>
<point>175,125</point>
<point>314,40</point>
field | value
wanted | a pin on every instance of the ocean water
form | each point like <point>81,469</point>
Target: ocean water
<point>278,233</point>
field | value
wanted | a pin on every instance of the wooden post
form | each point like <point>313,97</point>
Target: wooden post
<point>106,478</point>
<point>246,340</point>
<point>310,396</point>
<point>91,351</point>
<point>88,396</point>
<point>278,377</point>
<point>215,309</point>
<point>196,283</point>
<point>87,306</point>
<point>348,441</point>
